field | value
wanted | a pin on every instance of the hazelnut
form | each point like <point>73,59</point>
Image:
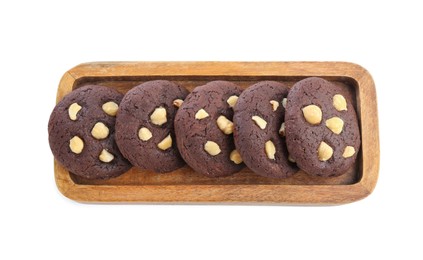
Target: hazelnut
<point>100,131</point>
<point>275,104</point>
<point>348,152</point>
<point>339,102</point>
<point>324,151</point>
<point>232,100</point>
<point>335,124</point>
<point>259,121</point>
<point>166,143</point>
<point>284,102</point>
<point>178,102</point>
<point>201,114</point>
<point>76,144</point>
<point>235,157</point>
<point>158,117</point>
<point>225,125</point>
<point>312,114</point>
<point>110,108</point>
<point>270,150</point>
<point>144,134</point>
<point>282,129</point>
<point>212,148</point>
<point>105,156</point>
<point>73,110</point>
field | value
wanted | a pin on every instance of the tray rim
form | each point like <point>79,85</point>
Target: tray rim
<point>234,193</point>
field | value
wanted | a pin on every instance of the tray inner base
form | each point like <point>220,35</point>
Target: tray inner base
<point>185,175</point>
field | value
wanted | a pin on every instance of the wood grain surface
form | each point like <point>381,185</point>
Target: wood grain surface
<point>186,186</point>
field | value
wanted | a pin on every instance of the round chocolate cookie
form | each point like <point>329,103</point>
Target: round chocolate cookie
<point>144,125</point>
<point>322,131</point>
<point>260,130</point>
<point>204,129</point>
<point>81,133</point>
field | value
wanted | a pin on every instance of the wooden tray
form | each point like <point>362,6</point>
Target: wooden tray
<point>186,186</point>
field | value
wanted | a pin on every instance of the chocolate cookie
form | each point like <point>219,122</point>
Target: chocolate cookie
<point>322,131</point>
<point>144,125</point>
<point>260,130</point>
<point>81,133</point>
<point>204,129</point>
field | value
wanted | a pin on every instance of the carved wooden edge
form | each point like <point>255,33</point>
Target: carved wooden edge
<point>235,194</point>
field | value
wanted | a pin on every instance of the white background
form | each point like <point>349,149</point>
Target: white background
<point>40,40</point>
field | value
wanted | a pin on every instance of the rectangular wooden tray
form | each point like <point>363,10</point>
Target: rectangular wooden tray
<point>186,186</point>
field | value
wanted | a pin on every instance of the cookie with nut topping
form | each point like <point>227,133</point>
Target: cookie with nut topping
<point>204,129</point>
<point>321,126</point>
<point>260,130</point>
<point>144,125</point>
<point>81,133</point>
